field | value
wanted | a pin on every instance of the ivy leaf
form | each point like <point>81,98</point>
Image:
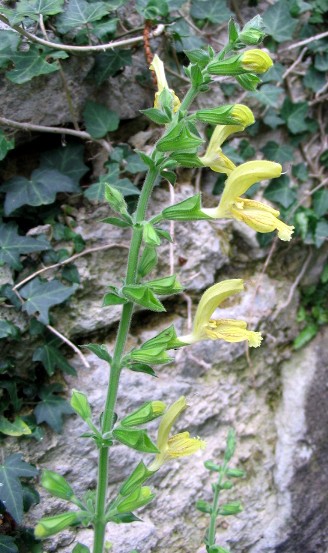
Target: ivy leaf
<point>30,64</point>
<point>5,145</point>
<point>279,192</point>
<point>314,80</point>
<point>109,63</point>
<point>51,358</point>
<point>134,164</point>
<point>9,330</point>
<point>295,115</point>
<point>215,12</point>
<point>7,544</point>
<point>320,202</point>
<point>34,8</point>
<point>278,22</point>
<point>67,160</point>
<point>321,233</point>
<point>52,408</point>
<point>15,428</point>
<point>8,46</point>
<point>12,245</point>
<point>278,152</point>
<point>11,491</point>
<point>300,172</point>
<point>40,296</point>
<point>272,119</point>
<point>96,192</point>
<point>99,120</point>
<point>79,12</point>
<point>268,95</point>
<point>40,190</point>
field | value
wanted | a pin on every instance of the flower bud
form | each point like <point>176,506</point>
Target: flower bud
<point>56,485</point>
<point>256,61</point>
<point>115,199</point>
<point>251,37</point>
<point>147,412</point>
<point>138,498</point>
<point>52,525</point>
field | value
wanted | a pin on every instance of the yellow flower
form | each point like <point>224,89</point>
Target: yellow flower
<point>179,445</point>
<point>214,157</point>
<point>256,215</point>
<point>256,61</point>
<point>230,330</point>
<point>158,66</point>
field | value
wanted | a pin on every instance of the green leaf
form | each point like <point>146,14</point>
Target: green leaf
<point>9,330</point>
<point>134,164</point>
<point>78,13</point>
<point>268,95</point>
<point>30,64</point>
<point>141,368</point>
<point>16,428</point>
<point>294,115</point>
<point>108,64</point>
<point>5,144</point>
<point>136,439</point>
<point>99,120</point>
<point>181,137</point>
<point>12,245</point>
<point>142,295</point>
<point>300,172</point>
<point>96,192</point>
<point>9,41</point>
<point>314,80</point>
<point>52,359</point>
<point>7,544</point>
<point>52,408</point>
<point>306,335</point>
<point>278,22</point>
<point>68,160</point>
<point>40,296</point>
<point>33,8</point>
<point>11,492</point>
<point>41,189</point>
<point>278,152</point>
<point>100,351</point>
<point>215,12</point>
<point>80,404</point>
<point>272,119</point>
<point>279,192</point>
<point>321,233</point>
<point>320,202</point>
<point>80,548</point>
<point>148,261</point>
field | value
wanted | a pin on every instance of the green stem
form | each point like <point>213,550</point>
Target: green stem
<point>108,418</point>
<point>109,412</point>
<point>212,527</point>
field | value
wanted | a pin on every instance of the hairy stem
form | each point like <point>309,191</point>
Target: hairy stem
<point>215,503</point>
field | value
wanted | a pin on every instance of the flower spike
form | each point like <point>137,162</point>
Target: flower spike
<point>229,330</point>
<point>259,216</point>
<point>158,66</point>
<point>179,445</point>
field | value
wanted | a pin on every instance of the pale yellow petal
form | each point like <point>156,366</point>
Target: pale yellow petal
<point>158,66</point>
<point>256,60</point>
<point>233,331</point>
<point>211,299</point>
<point>242,178</point>
<point>182,445</point>
<point>168,420</point>
<point>260,217</point>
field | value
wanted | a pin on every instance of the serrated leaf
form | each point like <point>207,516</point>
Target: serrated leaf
<point>68,160</point>
<point>41,189</point>
<point>11,492</point>
<point>30,64</point>
<point>16,428</point>
<point>109,63</point>
<point>99,120</point>
<point>7,544</point>
<point>268,95</point>
<point>5,144</point>
<point>52,359</point>
<point>320,202</point>
<point>294,115</point>
<point>215,12</point>
<point>100,350</point>
<point>40,296</point>
<point>51,409</point>
<point>9,41</point>
<point>79,12</point>
<point>33,8</point>
<point>12,245</point>
<point>279,192</point>
<point>278,152</point>
<point>278,22</point>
